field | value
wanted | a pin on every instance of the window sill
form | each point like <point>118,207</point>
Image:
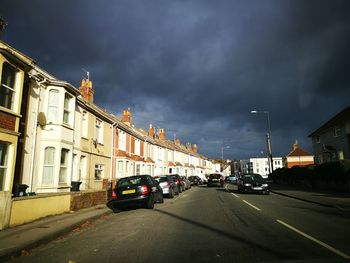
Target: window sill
<point>10,112</point>
<point>67,126</point>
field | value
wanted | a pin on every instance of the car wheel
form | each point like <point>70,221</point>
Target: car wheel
<point>115,210</point>
<point>150,203</point>
<point>161,199</point>
<point>171,193</point>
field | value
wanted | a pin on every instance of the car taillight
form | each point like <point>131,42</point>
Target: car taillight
<point>144,190</point>
<point>114,195</point>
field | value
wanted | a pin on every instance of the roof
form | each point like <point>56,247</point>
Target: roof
<point>298,151</point>
<point>338,119</point>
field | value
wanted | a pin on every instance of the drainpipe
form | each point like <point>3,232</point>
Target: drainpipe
<point>31,177</point>
<point>112,152</point>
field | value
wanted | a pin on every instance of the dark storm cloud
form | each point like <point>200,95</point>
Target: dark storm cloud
<point>197,68</point>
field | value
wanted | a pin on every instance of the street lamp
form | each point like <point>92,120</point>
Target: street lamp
<point>222,151</point>
<point>222,156</point>
<point>268,137</point>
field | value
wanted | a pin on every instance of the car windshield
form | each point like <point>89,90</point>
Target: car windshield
<point>252,178</point>
<point>129,181</point>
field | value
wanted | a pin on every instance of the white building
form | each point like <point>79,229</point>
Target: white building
<point>261,165</point>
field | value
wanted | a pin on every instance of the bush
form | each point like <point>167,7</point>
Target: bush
<point>330,176</point>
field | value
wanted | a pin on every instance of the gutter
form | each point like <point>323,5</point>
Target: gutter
<point>115,124</point>
<point>40,85</point>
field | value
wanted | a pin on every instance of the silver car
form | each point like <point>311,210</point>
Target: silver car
<point>166,182</point>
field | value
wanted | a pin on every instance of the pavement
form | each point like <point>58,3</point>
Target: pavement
<point>19,239</point>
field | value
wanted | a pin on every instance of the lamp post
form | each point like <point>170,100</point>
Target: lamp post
<point>268,137</point>
<point>222,155</point>
<point>222,151</point>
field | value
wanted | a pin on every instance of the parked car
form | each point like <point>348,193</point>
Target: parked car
<point>179,182</point>
<point>195,180</point>
<point>168,185</point>
<point>232,179</point>
<point>138,190</point>
<point>187,182</point>
<point>216,179</point>
<point>253,183</point>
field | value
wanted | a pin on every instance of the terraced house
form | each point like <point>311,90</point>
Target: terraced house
<point>13,66</point>
<point>55,139</point>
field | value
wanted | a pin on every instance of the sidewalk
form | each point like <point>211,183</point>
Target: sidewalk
<point>14,240</point>
<point>340,201</point>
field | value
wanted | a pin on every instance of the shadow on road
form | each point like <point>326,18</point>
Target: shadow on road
<point>225,234</point>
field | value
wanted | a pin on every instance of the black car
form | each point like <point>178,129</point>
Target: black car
<point>195,180</point>
<point>215,180</point>
<point>138,190</point>
<point>253,183</point>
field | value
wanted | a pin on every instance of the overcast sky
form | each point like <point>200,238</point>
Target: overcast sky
<point>197,68</point>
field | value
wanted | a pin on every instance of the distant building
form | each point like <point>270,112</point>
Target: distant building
<point>331,142</point>
<point>261,165</point>
<point>298,157</point>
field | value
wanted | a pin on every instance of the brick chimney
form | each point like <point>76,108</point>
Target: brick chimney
<point>188,146</point>
<point>194,148</point>
<point>177,142</point>
<point>151,131</point>
<point>127,118</point>
<point>161,134</point>
<point>86,90</point>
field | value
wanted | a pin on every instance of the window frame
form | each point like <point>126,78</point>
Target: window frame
<point>67,109</point>
<point>99,168</point>
<point>84,124</point>
<point>13,90</point>
<point>64,166</point>
<point>55,105</point>
<point>44,179</point>
<point>99,131</point>
<point>4,166</point>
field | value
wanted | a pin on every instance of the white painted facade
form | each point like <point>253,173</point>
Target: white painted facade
<point>261,165</point>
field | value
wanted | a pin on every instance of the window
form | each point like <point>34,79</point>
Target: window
<point>63,166</point>
<point>317,139</point>
<point>120,168</point>
<point>3,164</point>
<point>99,168</point>
<point>7,88</point>
<point>52,109</point>
<point>84,125</point>
<point>67,114</point>
<point>148,169</point>
<point>98,131</point>
<point>122,141</point>
<point>49,165</point>
<point>137,147</point>
<point>82,167</point>
<point>138,169</point>
<point>337,132</point>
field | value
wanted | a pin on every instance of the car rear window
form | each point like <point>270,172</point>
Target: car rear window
<point>162,179</point>
<point>129,181</point>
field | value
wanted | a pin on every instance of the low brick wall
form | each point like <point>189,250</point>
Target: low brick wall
<point>81,200</point>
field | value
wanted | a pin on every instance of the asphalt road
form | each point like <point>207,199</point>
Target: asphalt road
<point>208,225</point>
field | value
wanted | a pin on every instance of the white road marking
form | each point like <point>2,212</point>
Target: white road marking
<point>235,195</point>
<point>251,205</point>
<point>336,251</point>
